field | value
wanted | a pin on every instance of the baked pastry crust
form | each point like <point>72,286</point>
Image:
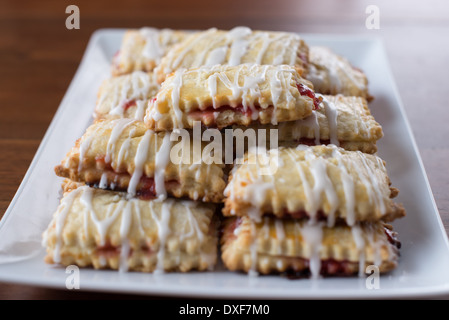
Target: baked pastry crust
<point>237,46</point>
<point>221,96</point>
<point>126,96</point>
<point>105,229</point>
<point>343,121</point>
<point>68,185</point>
<point>124,155</point>
<point>142,50</point>
<point>319,183</point>
<point>289,245</point>
<point>333,74</point>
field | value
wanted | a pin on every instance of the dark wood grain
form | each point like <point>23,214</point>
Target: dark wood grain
<point>39,56</point>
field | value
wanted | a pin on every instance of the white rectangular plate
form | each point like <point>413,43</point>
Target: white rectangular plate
<point>424,262</point>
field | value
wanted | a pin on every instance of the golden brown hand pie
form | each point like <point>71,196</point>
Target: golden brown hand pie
<point>105,229</point>
<point>142,50</point>
<point>333,74</point>
<point>221,96</point>
<point>342,121</point>
<point>237,46</point>
<point>320,183</point>
<point>294,246</point>
<point>124,155</point>
<point>126,96</point>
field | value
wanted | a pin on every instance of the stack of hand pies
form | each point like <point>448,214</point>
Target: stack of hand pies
<point>143,193</point>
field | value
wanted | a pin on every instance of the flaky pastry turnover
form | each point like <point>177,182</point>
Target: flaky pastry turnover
<point>237,46</point>
<point>295,246</point>
<point>126,96</point>
<point>319,183</point>
<point>143,49</point>
<point>221,96</point>
<point>343,121</point>
<point>105,229</point>
<point>124,155</point>
<point>333,74</point>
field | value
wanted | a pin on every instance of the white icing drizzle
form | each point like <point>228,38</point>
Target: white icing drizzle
<point>103,181</point>
<point>138,215</point>
<point>348,70</point>
<point>102,260</point>
<point>331,112</point>
<point>322,183</point>
<point>136,86</point>
<point>376,243</point>
<point>140,109</point>
<point>256,191</point>
<point>212,86</point>
<point>294,52</point>
<point>125,227</point>
<point>371,183</point>
<point>119,126</point>
<point>152,49</point>
<point>348,186</point>
<point>334,79</point>
<point>238,38</point>
<point>196,230</point>
<point>163,223</point>
<point>253,250</point>
<point>245,81</point>
<point>266,41</point>
<point>123,152</point>
<point>316,77</point>
<point>310,196</point>
<point>162,159</point>
<point>139,162</point>
<point>193,225</point>
<point>84,146</point>
<point>66,204</point>
<point>358,236</point>
<point>279,86</point>
<point>176,59</point>
<point>336,68</point>
<point>313,236</point>
<point>120,205</point>
<point>247,87</point>
<point>175,97</point>
<point>311,123</point>
<point>231,48</point>
<point>103,225</point>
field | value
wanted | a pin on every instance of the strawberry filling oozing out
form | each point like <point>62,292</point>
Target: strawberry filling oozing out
<point>303,58</point>
<point>147,188</point>
<point>306,91</point>
<point>208,115</point>
<point>129,104</point>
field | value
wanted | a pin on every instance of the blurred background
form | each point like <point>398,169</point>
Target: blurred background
<point>39,56</point>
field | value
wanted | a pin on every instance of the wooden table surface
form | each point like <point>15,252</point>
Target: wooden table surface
<point>39,57</point>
